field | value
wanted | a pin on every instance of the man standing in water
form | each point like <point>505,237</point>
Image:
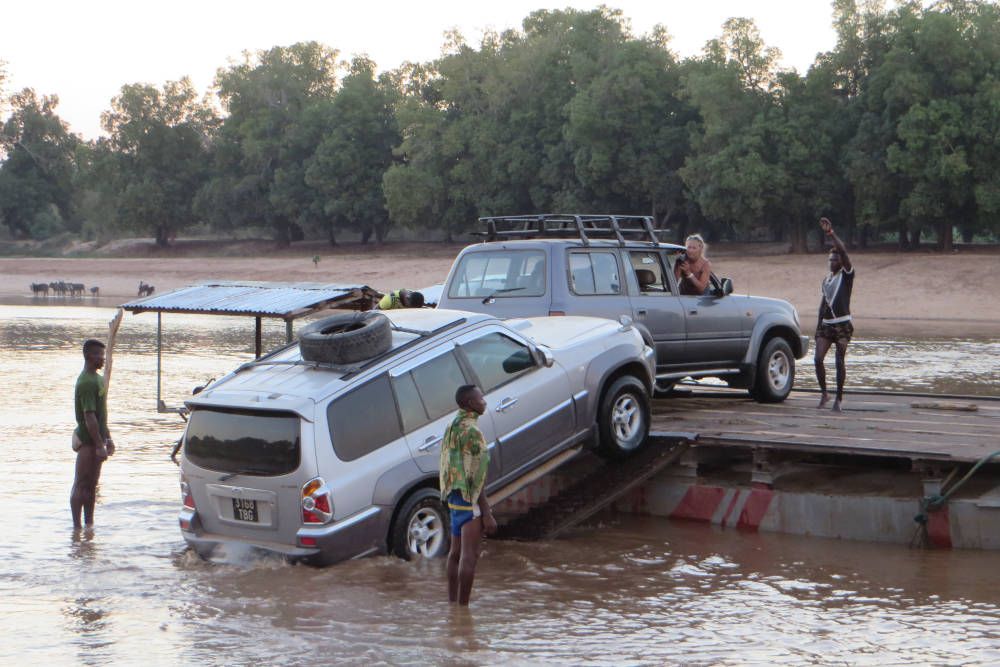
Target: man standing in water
<point>834,325</point>
<point>91,439</point>
<point>464,462</point>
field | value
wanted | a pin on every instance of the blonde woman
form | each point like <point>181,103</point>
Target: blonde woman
<point>692,268</point>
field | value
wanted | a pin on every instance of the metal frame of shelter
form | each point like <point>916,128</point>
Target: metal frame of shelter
<point>286,301</point>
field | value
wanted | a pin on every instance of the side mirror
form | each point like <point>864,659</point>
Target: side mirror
<point>727,286</point>
<point>544,356</point>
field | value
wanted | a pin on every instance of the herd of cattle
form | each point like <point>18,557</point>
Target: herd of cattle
<point>63,288</point>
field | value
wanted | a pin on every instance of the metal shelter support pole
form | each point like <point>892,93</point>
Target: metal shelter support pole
<point>159,357</point>
<point>256,338</point>
<point>288,331</point>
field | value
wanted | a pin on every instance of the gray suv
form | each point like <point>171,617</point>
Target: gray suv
<point>328,449</point>
<point>609,266</point>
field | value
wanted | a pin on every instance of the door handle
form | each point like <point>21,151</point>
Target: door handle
<point>506,403</point>
<point>693,312</point>
<point>641,312</point>
<point>430,442</point>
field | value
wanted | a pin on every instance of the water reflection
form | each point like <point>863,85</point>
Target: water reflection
<point>623,590</point>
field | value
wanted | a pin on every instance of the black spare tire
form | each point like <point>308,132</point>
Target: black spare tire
<point>346,338</point>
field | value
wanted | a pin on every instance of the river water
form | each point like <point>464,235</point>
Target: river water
<point>624,590</point>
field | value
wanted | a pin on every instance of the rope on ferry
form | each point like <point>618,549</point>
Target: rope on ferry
<point>934,503</point>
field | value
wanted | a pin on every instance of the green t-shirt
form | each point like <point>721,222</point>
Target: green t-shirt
<point>90,396</point>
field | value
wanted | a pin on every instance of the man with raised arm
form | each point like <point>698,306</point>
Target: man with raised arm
<point>91,439</point>
<point>834,326</point>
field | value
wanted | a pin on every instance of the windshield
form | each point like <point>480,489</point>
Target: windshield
<point>499,273</point>
<point>239,441</point>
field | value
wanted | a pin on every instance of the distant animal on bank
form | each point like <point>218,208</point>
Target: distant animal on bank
<point>76,289</point>
<point>145,289</point>
<point>60,288</point>
<point>40,289</point>
<point>95,291</point>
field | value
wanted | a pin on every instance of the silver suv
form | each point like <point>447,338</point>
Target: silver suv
<point>609,266</point>
<point>336,455</point>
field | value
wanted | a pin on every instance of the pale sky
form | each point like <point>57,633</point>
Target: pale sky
<point>84,51</point>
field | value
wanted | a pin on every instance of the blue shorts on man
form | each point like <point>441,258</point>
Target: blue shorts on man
<point>461,511</point>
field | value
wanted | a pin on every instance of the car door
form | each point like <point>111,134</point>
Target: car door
<point>531,405</point>
<point>424,390</point>
<point>656,306</point>
<point>715,330</point>
<point>596,283</point>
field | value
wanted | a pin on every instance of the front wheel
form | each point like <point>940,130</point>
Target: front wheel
<point>623,420</point>
<point>775,372</point>
<point>421,527</point>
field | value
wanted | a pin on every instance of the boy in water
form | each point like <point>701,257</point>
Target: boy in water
<point>91,439</point>
<point>465,460</point>
<point>834,325</point>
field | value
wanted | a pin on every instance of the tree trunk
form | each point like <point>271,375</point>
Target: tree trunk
<point>915,239</point>
<point>366,235</point>
<point>946,236</point>
<point>161,236</point>
<point>904,237</point>
<point>798,234</point>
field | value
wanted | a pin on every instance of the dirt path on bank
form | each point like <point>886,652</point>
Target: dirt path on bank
<point>915,294</point>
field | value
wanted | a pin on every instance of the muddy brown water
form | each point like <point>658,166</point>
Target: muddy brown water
<point>623,590</point>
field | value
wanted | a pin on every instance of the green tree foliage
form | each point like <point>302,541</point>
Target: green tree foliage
<point>894,132</point>
<point>149,168</point>
<point>36,176</point>
<point>354,153</point>
<point>275,101</point>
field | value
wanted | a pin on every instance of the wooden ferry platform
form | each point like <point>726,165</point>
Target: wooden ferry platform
<point>886,424</point>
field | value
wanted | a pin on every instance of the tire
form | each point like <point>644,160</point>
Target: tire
<point>775,372</point>
<point>421,529</point>
<point>346,338</point>
<point>623,418</point>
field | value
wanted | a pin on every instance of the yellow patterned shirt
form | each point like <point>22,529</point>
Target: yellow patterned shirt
<point>464,457</point>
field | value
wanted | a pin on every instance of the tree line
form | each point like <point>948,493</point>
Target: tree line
<point>894,134</point>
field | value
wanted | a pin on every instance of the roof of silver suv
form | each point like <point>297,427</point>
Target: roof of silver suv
<point>282,381</point>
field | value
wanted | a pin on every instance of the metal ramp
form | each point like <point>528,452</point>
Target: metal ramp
<point>597,490</point>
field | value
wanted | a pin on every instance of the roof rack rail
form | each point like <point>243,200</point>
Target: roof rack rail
<point>582,226</point>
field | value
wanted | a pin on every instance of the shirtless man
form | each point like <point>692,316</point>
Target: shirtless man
<point>694,272</point>
<point>834,325</point>
<point>91,439</point>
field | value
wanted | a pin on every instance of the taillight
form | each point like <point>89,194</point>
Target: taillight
<point>317,503</point>
<point>557,313</point>
<point>186,496</point>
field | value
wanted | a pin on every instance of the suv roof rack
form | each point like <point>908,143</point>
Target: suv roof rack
<point>582,226</point>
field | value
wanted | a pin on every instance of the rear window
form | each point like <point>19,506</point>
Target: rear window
<point>500,273</point>
<point>258,443</point>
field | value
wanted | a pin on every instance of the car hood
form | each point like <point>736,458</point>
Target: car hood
<point>563,332</point>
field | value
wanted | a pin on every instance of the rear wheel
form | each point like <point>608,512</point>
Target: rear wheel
<point>421,527</point>
<point>775,372</point>
<point>623,420</point>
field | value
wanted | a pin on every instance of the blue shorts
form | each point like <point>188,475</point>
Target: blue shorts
<point>460,510</point>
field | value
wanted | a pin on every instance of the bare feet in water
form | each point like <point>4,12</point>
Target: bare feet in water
<point>823,398</point>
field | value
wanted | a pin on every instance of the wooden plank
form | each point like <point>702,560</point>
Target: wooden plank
<point>876,424</point>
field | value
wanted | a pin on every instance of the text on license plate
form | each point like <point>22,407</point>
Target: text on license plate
<point>245,510</point>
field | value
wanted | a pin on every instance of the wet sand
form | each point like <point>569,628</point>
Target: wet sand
<point>924,294</point>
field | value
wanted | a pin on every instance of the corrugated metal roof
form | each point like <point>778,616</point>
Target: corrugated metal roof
<point>260,299</point>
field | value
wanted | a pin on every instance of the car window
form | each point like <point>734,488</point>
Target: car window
<point>363,420</point>
<point>266,443</point>
<point>499,273</point>
<point>436,381</point>
<point>594,273</point>
<point>649,273</point>
<point>411,406</point>
<point>497,359</point>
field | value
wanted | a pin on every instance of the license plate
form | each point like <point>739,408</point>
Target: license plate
<point>245,510</point>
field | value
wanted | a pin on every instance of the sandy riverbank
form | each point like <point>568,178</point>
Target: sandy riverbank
<point>914,294</point>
